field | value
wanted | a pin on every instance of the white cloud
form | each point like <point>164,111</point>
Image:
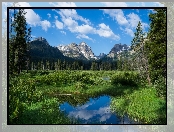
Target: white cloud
<point>63,32</point>
<point>66,13</point>
<point>115,4</point>
<point>70,18</point>
<point>70,24</point>
<point>133,20</point>
<point>49,15</point>
<point>144,25</point>
<point>105,117</point>
<point>59,24</point>
<point>45,25</point>
<point>85,29</point>
<point>80,36</point>
<point>63,4</point>
<point>129,22</point>
<point>116,14</point>
<point>32,18</point>
<point>56,17</point>
<point>105,31</point>
<point>129,32</point>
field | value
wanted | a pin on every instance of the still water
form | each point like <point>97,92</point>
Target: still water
<point>95,111</point>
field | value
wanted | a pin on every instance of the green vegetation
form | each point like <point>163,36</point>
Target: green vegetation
<point>34,97</point>
<point>141,105</point>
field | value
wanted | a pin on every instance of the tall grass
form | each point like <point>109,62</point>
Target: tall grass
<point>142,105</point>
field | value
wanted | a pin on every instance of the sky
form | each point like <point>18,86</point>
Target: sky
<point>101,29</point>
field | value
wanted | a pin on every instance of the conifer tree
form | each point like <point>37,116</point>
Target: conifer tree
<point>55,66</point>
<point>156,45</point>
<point>140,54</point>
<point>59,64</point>
<point>19,39</point>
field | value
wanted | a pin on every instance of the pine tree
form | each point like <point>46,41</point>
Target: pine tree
<point>59,64</point>
<point>38,65</point>
<point>93,66</point>
<point>32,66</point>
<point>64,65</point>
<point>140,54</point>
<point>156,45</point>
<point>19,39</point>
<point>47,65</point>
<point>42,65</point>
<point>56,66</point>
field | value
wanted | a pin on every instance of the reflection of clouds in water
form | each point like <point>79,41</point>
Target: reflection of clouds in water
<point>83,114</point>
<point>105,117</point>
<point>86,105</point>
<point>104,112</point>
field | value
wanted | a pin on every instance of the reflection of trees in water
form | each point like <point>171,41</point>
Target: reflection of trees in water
<point>76,100</point>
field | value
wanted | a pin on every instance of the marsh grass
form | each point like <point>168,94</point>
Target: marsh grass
<point>142,105</point>
<point>44,112</point>
<point>34,96</point>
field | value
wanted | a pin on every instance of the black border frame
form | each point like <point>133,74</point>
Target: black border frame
<point>8,8</point>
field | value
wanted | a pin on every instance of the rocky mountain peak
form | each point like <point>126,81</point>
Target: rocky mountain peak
<point>83,44</point>
<point>77,51</point>
<point>41,40</point>
<point>117,49</point>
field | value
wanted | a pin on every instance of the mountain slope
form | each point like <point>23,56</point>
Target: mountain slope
<point>41,50</point>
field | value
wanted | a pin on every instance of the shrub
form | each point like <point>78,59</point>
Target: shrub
<point>21,91</point>
<point>160,86</point>
<point>125,78</point>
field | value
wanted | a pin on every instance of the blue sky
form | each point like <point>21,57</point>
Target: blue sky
<point>100,29</point>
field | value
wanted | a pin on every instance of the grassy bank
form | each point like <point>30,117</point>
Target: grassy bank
<point>34,96</point>
<point>142,105</point>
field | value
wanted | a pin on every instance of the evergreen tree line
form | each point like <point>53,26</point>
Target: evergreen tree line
<point>78,65</point>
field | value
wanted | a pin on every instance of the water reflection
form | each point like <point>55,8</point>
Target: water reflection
<point>94,111</point>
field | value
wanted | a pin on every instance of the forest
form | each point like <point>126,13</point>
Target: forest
<point>135,82</point>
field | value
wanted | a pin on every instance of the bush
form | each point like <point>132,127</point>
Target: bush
<point>125,78</point>
<point>21,91</point>
<point>160,86</point>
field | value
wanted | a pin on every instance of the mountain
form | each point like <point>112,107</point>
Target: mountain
<point>41,50</point>
<point>118,48</point>
<point>81,51</point>
<point>101,56</point>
